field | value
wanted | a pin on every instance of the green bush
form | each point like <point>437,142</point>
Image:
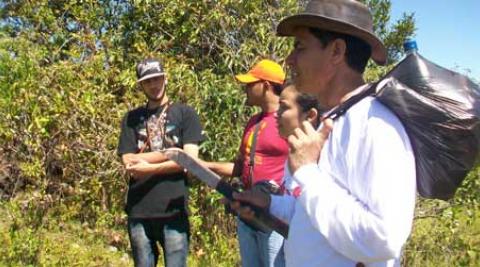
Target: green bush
<point>67,78</point>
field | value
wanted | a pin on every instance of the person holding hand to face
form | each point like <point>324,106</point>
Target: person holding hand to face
<point>357,176</point>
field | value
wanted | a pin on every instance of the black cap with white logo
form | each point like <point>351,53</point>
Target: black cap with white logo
<point>148,69</point>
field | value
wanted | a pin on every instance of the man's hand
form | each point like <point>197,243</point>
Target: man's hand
<point>254,197</point>
<point>306,144</point>
<point>140,169</point>
<point>130,158</point>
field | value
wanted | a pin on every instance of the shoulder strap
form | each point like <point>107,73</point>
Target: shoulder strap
<point>253,147</point>
<point>341,109</point>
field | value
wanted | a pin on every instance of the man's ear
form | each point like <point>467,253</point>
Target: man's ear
<point>339,50</point>
<point>140,86</point>
<point>266,86</point>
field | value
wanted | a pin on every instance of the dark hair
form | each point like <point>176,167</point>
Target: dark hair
<point>307,102</point>
<point>358,51</point>
<point>304,100</point>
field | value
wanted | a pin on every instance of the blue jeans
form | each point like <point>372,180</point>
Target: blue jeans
<point>258,249</point>
<point>172,235</point>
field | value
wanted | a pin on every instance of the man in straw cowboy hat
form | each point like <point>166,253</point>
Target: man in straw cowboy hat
<point>357,175</point>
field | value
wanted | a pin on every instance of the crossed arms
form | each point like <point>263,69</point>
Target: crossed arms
<point>142,165</point>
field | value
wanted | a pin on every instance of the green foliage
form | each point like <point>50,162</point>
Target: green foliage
<point>447,233</point>
<point>67,78</point>
<point>57,243</point>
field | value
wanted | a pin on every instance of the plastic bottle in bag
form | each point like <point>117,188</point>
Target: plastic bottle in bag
<point>440,110</point>
<point>410,47</point>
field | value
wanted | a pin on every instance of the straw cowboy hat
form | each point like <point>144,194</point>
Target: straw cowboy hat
<point>343,16</point>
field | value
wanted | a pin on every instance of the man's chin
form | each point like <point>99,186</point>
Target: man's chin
<point>154,99</point>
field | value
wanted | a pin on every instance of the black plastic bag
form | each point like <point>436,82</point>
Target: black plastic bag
<point>440,110</point>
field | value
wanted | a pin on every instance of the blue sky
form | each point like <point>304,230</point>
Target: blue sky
<point>448,31</point>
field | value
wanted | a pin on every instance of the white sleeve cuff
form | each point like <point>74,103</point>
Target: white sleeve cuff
<point>306,174</point>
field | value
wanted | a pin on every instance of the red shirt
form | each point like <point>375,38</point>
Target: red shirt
<point>270,154</point>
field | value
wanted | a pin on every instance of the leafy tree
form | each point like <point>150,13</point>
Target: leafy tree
<point>67,78</point>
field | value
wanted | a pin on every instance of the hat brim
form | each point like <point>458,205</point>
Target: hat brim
<point>246,78</point>
<point>149,76</point>
<point>287,26</point>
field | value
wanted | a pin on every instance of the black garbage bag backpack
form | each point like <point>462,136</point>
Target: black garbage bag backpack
<point>440,110</point>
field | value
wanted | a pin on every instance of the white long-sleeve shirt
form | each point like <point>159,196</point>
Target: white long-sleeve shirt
<point>357,203</point>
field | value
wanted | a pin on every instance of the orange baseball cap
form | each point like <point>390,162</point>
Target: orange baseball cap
<point>266,70</point>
